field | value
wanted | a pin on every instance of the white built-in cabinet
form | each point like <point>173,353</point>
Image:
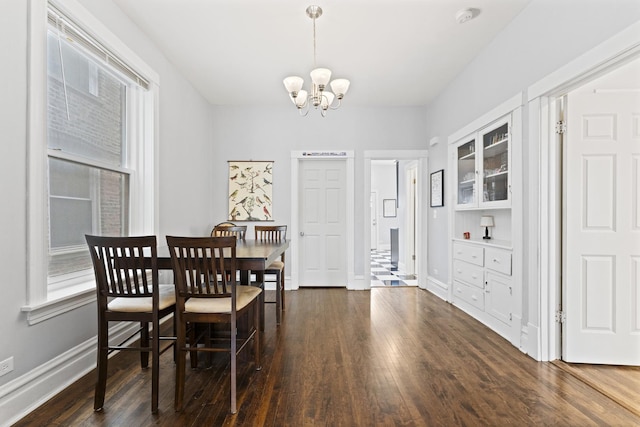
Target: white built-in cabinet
<point>481,164</point>
<point>482,284</point>
<point>482,170</point>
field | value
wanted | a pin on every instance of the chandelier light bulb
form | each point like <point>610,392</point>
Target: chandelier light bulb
<point>321,76</point>
<point>293,84</point>
<point>340,87</point>
<point>327,100</point>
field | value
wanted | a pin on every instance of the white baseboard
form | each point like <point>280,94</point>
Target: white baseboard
<point>358,284</point>
<point>524,339</point>
<point>24,394</point>
<point>438,288</point>
<point>532,348</point>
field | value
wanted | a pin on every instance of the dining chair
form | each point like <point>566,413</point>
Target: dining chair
<point>221,230</point>
<point>274,233</point>
<point>128,290</point>
<point>206,295</point>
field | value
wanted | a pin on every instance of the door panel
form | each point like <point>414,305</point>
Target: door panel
<point>602,237</point>
<point>323,223</point>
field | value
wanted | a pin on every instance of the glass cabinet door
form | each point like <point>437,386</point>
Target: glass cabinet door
<point>466,159</point>
<point>495,165</point>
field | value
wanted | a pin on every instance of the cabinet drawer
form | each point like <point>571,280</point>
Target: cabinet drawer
<point>469,294</point>
<point>468,273</point>
<point>468,253</point>
<point>498,260</point>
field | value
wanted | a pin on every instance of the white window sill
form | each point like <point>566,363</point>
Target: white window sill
<point>61,301</point>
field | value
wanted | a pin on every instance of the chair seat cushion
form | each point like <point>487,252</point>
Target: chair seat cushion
<point>245,294</point>
<point>167,297</point>
<point>275,265</point>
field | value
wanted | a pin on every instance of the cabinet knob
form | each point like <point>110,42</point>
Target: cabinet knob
<point>496,260</point>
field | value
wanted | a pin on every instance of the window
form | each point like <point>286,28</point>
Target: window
<point>91,150</point>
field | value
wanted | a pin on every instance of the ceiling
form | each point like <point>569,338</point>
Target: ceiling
<point>395,52</point>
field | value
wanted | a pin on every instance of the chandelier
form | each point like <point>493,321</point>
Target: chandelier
<point>319,96</point>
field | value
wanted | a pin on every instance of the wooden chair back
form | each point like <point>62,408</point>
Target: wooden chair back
<point>199,266</point>
<point>239,231</point>
<point>271,233</point>
<point>120,267</point>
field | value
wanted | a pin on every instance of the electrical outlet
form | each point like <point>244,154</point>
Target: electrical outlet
<point>6,366</point>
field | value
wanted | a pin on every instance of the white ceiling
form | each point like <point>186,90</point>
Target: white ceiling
<point>395,52</point>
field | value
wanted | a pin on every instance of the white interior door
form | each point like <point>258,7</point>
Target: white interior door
<point>601,295</point>
<point>373,206</point>
<point>322,222</point>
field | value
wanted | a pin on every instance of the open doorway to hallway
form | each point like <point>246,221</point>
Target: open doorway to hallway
<point>393,222</point>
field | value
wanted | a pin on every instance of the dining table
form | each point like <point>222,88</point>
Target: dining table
<point>252,257</point>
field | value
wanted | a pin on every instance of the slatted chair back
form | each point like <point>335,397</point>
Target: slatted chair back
<point>240,231</point>
<point>271,233</point>
<point>121,269</point>
<point>199,263</point>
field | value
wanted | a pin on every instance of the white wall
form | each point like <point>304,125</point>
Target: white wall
<point>184,185</point>
<point>271,134</point>
<point>543,37</point>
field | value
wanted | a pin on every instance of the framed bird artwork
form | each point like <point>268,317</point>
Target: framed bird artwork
<point>250,190</point>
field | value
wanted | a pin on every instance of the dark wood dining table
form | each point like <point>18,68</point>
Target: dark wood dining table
<point>252,257</point>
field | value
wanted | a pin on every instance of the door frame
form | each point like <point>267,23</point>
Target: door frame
<point>294,248</point>
<point>543,242</point>
<point>411,246</point>
<point>421,156</point>
<point>374,201</point>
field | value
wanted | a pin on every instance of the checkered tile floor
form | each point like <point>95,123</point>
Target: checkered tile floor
<point>383,273</point>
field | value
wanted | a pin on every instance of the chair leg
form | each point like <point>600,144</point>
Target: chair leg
<point>144,342</point>
<point>234,367</point>
<point>282,289</point>
<point>180,364</point>
<point>155,367</point>
<point>193,355</point>
<point>278,298</point>
<point>101,368</point>
<point>257,342</point>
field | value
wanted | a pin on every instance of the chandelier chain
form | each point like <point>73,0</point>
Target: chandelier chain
<point>314,42</point>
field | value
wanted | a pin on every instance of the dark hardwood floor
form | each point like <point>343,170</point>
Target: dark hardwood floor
<point>388,357</point>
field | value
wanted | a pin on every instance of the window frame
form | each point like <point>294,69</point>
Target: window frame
<point>45,299</point>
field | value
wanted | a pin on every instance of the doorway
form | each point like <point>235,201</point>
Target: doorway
<point>334,171</point>
<point>399,191</point>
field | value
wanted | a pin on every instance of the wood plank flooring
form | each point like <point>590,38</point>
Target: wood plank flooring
<point>388,357</point>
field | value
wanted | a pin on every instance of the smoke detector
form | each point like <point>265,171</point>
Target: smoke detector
<point>464,15</point>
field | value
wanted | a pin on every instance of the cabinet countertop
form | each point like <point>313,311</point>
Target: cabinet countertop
<point>502,244</point>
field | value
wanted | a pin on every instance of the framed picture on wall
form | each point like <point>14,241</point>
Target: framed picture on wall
<point>389,208</point>
<point>250,190</point>
<point>437,189</point>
